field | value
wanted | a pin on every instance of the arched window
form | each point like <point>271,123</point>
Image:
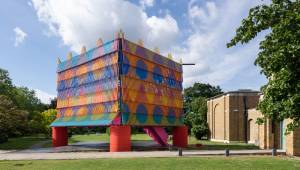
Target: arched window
<point>217,118</point>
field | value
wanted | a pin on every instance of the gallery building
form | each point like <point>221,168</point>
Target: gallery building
<point>232,118</point>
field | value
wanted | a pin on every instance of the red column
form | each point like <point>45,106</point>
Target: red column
<point>180,136</point>
<point>120,138</point>
<point>59,136</point>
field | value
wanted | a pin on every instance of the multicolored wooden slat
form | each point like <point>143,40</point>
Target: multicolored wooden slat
<point>119,82</point>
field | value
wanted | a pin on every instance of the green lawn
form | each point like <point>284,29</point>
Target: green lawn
<point>27,142</point>
<point>210,145</point>
<point>257,162</point>
<point>103,137</point>
<point>21,142</point>
<point>207,145</point>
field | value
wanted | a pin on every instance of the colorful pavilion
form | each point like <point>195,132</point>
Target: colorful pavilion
<point>120,84</point>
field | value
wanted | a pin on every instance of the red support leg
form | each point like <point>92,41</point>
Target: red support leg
<point>59,136</point>
<point>120,138</point>
<point>180,136</point>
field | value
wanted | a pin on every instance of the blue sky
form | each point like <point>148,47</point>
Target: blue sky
<point>35,32</point>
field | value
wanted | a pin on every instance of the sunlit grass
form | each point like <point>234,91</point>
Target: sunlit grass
<point>190,163</point>
<point>206,144</point>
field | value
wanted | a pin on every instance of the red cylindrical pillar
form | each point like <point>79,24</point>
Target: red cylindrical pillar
<point>120,138</point>
<point>180,136</point>
<point>59,136</point>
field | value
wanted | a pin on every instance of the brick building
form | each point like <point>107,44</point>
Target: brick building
<point>232,118</point>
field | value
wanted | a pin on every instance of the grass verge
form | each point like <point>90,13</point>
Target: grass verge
<point>257,162</point>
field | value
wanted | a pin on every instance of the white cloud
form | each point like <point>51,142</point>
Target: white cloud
<point>20,36</point>
<point>158,27</point>
<point>213,25</point>
<point>146,3</point>
<point>199,16</point>
<point>44,96</point>
<point>82,22</point>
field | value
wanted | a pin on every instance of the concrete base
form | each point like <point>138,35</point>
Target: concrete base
<point>120,139</point>
<point>180,136</point>
<point>59,136</point>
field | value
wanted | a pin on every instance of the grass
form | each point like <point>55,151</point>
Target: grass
<point>210,145</point>
<point>103,137</point>
<point>207,145</point>
<point>21,142</point>
<point>254,162</point>
<point>27,142</point>
<point>88,138</point>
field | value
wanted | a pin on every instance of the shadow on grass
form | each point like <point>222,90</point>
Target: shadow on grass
<point>22,142</point>
<point>22,164</point>
<point>26,142</point>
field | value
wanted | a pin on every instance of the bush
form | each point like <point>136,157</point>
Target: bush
<point>45,119</point>
<point>13,121</point>
<point>3,137</point>
<point>200,131</point>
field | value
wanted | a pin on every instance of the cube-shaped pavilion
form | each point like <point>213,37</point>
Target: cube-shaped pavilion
<point>120,84</point>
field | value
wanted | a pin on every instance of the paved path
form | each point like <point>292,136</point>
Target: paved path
<point>40,144</point>
<point>133,154</point>
<point>94,150</point>
<point>92,147</point>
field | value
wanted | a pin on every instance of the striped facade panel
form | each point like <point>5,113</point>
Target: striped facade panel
<point>151,88</point>
<point>119,83</point>
<point>87,87</point>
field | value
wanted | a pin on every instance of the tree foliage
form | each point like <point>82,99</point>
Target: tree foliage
<point>197,117</point>
<point>13,122</point>
<point>53,103</point>
<point>200,90</point>
<point>279,57</point>
<point>195,107</point>
<point>46,118</point>
<point>20,109</point>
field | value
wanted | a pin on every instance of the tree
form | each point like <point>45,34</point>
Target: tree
<point>53,103</point>
<point>22,97</point>
<point>42,121</point>
<point>279,57</point>
<point>4,77</point>
<point>19,109</point>
<point>5,83</point>
<point>197,117</point>
<point>201,90</point>
<point>48,117</point>
<point>13,122</point>
<point>26,99</point>
<point>195,107</point>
